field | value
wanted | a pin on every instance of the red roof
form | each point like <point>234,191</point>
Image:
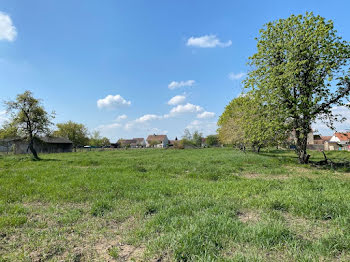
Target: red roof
<point>326,138</point>
<point>343,136</point>
<point>156,137</point>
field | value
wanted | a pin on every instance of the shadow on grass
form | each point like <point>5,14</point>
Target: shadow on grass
<point>46,159</point>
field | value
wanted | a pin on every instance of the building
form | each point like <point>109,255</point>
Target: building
<point>154,140</point>
<point>339,141</point>
<point>132,143</point>
<point>19,145</point>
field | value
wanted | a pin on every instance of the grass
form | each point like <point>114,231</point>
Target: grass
<point>173,205</point>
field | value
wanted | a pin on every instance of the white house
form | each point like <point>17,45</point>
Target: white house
<point>341,139</point>
<point>157,141</point>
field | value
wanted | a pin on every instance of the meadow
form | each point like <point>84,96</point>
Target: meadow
<point>216,204</point>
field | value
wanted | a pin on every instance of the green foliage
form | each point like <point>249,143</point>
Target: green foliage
<point>97,141</point>
<point>29,117</point>
<point>8,131</point>
<point>191,140</point>
<point>212,140</point>
<point>77,133</point>
<point>299,73</point>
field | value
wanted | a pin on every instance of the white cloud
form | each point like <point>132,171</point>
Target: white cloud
<point>3,117</point>
<point>237,76</point>
<point>207,41</point>
<point>206,115</point>
<point>175,84</point>
<point>111,102</point>
<point>146,118</point>
<point>204,127</point>
<point>8,31</point>
<point>188,108</point>
<point>121,117</point>
<point>176,100</point>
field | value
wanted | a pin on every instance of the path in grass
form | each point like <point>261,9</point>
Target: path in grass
<point>172,205</point>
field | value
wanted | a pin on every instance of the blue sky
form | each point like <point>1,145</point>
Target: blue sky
<point>115,65</point>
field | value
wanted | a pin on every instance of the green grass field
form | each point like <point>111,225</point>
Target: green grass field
<point>173,205</point>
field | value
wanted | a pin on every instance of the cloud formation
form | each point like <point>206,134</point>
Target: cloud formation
<point>175,84</point>
<point>146,118</point>
<point>176,100</point>
<point>121,117</point>
<point>237,76</point>
<point>204,127</point>
<point>8,31</point>
<point>206,115</point>
<point>188,108</point>
<point>111,102</point>
<point>207,41</point>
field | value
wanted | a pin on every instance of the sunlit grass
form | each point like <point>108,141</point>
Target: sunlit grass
<point>173,205</point>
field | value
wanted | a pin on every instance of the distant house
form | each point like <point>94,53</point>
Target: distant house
<point>132,143</point>
<point>19,145</point>
<point>204,142</point>
<point>339,141</point>
<point>157,141</point>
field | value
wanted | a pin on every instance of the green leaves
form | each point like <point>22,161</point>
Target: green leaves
<point>298,73</point>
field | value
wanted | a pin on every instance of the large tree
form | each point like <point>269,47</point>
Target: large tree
<point>247,122</point>
<point>77,133</point>
<point>29,117</point>
<point>301,72</point>
<point>98,141</point>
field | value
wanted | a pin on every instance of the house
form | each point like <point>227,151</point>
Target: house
<point>140,142</point>
<point>19,145</point>
<point>132,143</point>
<point>204,142</point>
<point>339,141</point>
<point>173,142</point>
<point>154,140</point>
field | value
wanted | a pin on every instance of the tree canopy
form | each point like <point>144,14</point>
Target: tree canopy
<point>299,73</point>
<point>29,118</point>
<point>77,133</point>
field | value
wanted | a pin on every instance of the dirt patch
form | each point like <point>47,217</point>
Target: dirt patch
<point>125,252</point>
<point>307,229</point>
<point>248,216</point>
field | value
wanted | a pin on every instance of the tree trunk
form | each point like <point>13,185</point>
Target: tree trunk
<point>32,149</point>
<point>301,147</point>
<point>259,147</point>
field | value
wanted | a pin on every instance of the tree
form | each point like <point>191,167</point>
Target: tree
<point>77,133</point>
<point>98,141</point>
<point>29,117</point>
<point>8,131</point>
<point>197,138</point>
<point>247,122</point>
<point>231,127</point>
<point>300,72</point>
<point>212,140</point>
<point>193,140</point>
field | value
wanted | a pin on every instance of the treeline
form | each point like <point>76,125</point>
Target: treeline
<point>196,139</point>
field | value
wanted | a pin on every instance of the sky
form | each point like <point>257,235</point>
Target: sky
<point>134,68</point>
